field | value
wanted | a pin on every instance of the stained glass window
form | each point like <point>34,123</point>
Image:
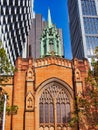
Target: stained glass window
<point>54,106</point>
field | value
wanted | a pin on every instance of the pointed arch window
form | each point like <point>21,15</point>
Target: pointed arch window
<point>58,48</point>
<point>54,107</point>
<point>51,45</point>
<point>45,49</point>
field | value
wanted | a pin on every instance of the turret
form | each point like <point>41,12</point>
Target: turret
<point>50,40</point>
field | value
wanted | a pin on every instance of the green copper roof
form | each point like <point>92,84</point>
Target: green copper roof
<point>50,40</point>
<point>49,19</point>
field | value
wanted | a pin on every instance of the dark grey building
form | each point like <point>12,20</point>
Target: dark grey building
<point>15,21</point>
<point>38,24</point>
<point>83,18</point>
<point>34,36</point>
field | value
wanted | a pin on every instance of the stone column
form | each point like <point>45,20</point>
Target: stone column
<point>42,48</point>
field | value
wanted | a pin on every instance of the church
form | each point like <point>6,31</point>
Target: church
<point>44,89</point>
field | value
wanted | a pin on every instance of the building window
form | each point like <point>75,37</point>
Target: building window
<point>92,43</point>
<point>51,46</point>
<point>45,49</point>
<point>91,25</point>
<point>54,107</point>
<point>88,7</point>
<point>29,51</point>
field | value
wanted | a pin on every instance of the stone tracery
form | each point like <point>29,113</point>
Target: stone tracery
<point>54,106</point>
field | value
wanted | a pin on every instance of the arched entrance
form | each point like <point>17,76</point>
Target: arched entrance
<point>54,106</point>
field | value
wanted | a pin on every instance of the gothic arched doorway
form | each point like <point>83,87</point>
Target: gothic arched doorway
<point>54,107</point>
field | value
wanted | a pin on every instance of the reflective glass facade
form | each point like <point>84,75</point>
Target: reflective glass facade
<point>90,25</point>
<point>86,14</point>
<point>90,20</point>
<point>88,7</point>
<point>92,42</point>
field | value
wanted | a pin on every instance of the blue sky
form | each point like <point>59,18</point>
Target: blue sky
<point>59,14</point>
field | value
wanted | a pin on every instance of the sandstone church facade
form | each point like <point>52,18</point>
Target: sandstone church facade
<point>44,89</point>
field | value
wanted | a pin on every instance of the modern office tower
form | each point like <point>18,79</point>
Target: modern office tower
<point>15,23</point>
<point>83,17</point>
<point>34,36</point>
<point>37,27</point>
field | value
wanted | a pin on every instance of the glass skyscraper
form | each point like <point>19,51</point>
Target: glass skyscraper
<point>15,21</point>
<point>83,17</point>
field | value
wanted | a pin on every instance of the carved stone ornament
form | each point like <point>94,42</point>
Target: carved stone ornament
<point>30,75</point>
<point>29,102</point>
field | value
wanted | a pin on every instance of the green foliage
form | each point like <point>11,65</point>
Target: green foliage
<point>87,109</point>
<point>96,52</point>
<point>5,70</point>
<point>9,109</point>
<point>12,109</point>
<point>2,100</point>
<point>87,103</point>
<point>95,65</point>
<point>5,66</point>
<point>73,120</point>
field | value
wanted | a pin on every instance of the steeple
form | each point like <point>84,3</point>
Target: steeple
<point>49,19</point>
<point>50,40</point>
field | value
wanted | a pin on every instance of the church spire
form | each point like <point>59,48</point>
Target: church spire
<point>49,19</point>
<point>50,40</point>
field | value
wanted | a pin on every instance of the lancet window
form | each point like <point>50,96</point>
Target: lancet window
<point>54,107</point>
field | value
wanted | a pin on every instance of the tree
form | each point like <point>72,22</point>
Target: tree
<point>86,113</point>
<point>88,104</point>
<point>95,65</point>
<point>5,69</point>
<point>5,66</point>
<point>88,101</point>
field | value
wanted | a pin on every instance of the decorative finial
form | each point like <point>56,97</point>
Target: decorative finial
<point>49,19</point>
